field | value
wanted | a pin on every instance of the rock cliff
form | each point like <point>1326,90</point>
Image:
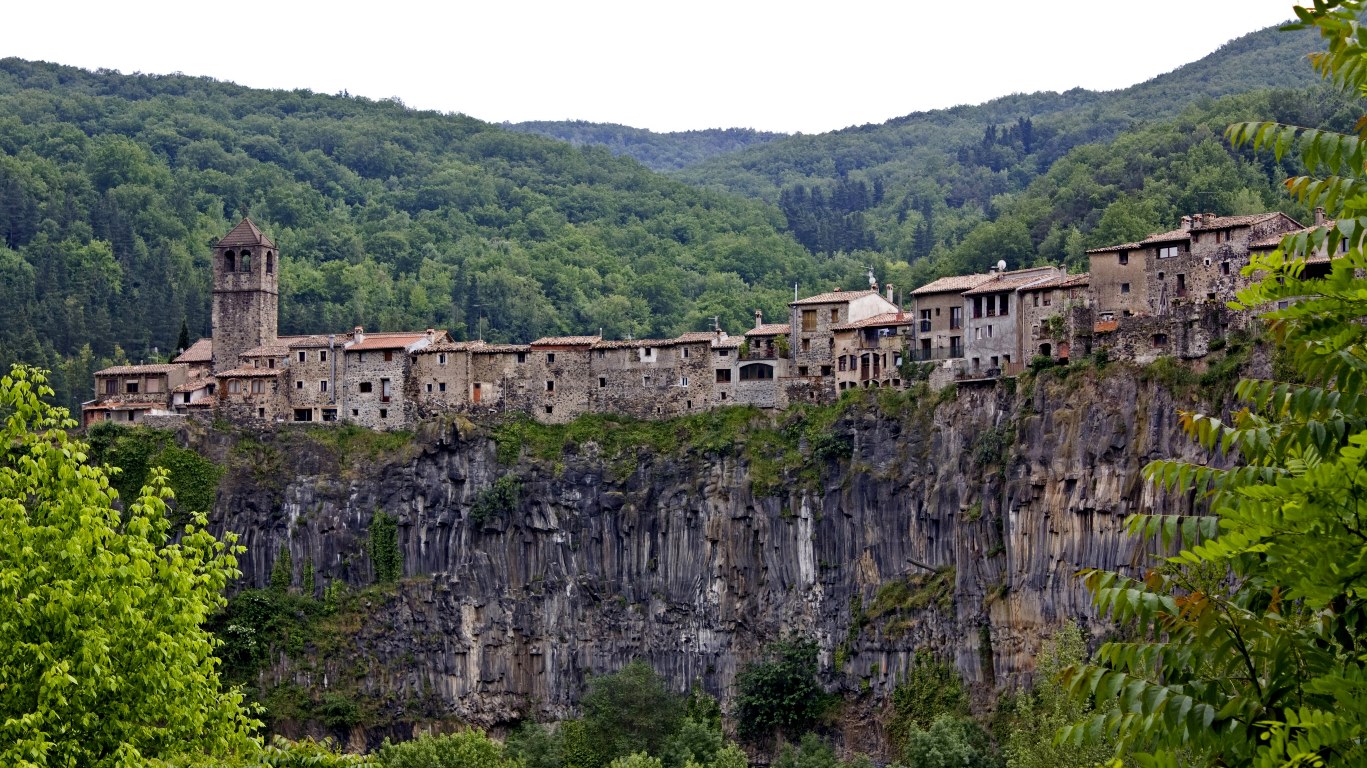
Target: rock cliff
<point>901,524</point>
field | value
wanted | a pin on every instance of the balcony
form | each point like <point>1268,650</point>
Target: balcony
<point>763,353</point>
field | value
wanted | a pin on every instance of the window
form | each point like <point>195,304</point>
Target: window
<point>384,413</point>
<point>602,381</point>
<point>1036,299</point>
<point>1159,339</point>
<point>441,386</point>
<point>1224,267</point>
<point>550,386</point>
<point>550,409</point>
<point>1048,299</point>
<point>1004,304</point>
<point>323,356</point>
<point>389,356</point>
<point>111,386</point>
<point>130,387</point>
<point>303,414</point>
<point>355,413</point>
<point>271,363</point>
<point>429,387</point>
<point>685,353</point>
<point>802,370</point>
<point>260,413</point>
<point>1124,258</point>
<point>441,359</point>
<point>723,396</point>
<point>303,356</point>
<point>522,357</point>
<point>602,354</point>
<point>1181,285</point>
<point>1124,287</point>
<point>723,353</point>
<point>1161,275</point>
<point>978,306</point>
<point>550,357</point>
<point>989,331</point>
<point>956,346</point>
<point>806,345</point>
<point>842,362</point>
<point>825,370</point>
<point>234,386</point>
<point>835,316</point>
<point>363,386</point>
<point>645,380</point>
<point>329,414</point>
<point>723,375</point>
<point>258,387</point>
<point>683,381</point>
<point>246,264</point>
<point>386,390</point>
<point>270,262</point>
<point>323,385</point>
<point>978,334</point>
<point>229,262</point>
<point>298,384</point>
<point>1168,251</point>
<point>185,398</point>
<point>809,319</point>
<point>360,357</point>
<point>956,317</point>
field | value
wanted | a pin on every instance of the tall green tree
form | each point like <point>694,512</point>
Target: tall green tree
<point>104,660</point>
<point>1249,644</point>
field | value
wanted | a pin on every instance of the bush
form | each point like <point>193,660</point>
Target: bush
<point>384,549</point>
<point>780,692</point>
<point>630,711</point>
<point>933,688</point>
<point>949,742</point>
<point>498,500</point>
<point>462,749</point>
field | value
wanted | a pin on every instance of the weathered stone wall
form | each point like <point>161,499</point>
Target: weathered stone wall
<point>681,559</point>
<point>375,409</point>
<point>310,383</point>
<point>1119,284</point>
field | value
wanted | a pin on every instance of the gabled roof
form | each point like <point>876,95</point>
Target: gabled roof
<point>769,329</point>
<point>138,370</point>
<point>1172,236</point>
<point>201,351</point>
<point>451,346</point>
<point>885,320</point>
<point>1066,281</point>
<point>635,343</point>
<point>251,373</point>
<point>693,337</point>
<point>726,342</point>
<point>317,340</point>
<point>1109,248</point>
<point>1276,240</point>
<point>567,341</point>
<point>500,349</point>
<point>1006,282</point>
<point>245,233</point>
<point>834,297</point>
<point>267,350</point>
<point>952,284</point>
<point>387,341</point>
<point>1225,222</point>
<point>199,382</point>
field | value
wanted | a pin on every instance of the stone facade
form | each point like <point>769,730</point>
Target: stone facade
<point>868,352</point>
<point>993,308</point>
<point>1045,316</point>
<point>939,313</point>
<point>813,319</point>
<point>246,294</point>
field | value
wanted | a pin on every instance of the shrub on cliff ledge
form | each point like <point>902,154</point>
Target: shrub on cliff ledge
<point>781,691</point>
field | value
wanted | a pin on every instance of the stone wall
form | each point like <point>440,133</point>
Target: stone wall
<point>1119,282</point>
<point>368,370</point>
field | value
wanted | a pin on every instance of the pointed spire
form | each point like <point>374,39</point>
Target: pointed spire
<point>245,233</point>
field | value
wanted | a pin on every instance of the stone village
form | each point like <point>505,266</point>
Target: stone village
<point>1162,296</point>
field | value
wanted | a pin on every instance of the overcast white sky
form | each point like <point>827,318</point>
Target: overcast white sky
<point>780,66</point>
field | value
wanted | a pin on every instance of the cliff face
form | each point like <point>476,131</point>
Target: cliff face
<point>955,527</point>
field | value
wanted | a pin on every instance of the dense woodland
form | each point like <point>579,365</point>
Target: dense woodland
<point>113,186</point>
<point>656,151</point>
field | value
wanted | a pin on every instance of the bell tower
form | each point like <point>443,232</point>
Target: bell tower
<point>246,294</point>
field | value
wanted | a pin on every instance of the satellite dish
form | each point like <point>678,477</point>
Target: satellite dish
<point>1001,265</point>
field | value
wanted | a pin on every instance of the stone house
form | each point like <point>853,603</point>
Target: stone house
<point>814,318</point>
<point>938,308</point>
<point>651,378</point>
<point>868,352</point>
<point>128,393</point>
<point>377,390</point>
<point>762,361</point>
<point>315,366</point>
<point>992,340</point>
<point>1046,316</point>
<point>251,393</point>
<point>1119,286</point>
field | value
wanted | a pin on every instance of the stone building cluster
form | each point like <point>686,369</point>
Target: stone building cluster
<point>1164,295</point>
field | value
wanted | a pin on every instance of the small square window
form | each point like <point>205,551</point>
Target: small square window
<point>1124,258</point>
<point>1124,287</point>
<point>429,387</point>
<point>355,412</point>
<point>384,413</point>
<point>550,408</point>
<point>602,381</point>
<point>522,357</point>
<point>363,386</point>
<point>441,387</point>
<point>261,413</point>
<point>550,386</point>
<point>550,357</point>
<point>388,356</point>
<point>298,385</point>
<point>303,356</point>
<point>441,359</point>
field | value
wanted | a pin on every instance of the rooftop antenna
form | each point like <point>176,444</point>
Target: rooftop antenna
<point>1001,265</point>
<point>794,291</point>
<point>716,322</point>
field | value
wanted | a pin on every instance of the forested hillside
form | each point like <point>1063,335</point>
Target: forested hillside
<point>112,187</point>
<point>921,181</point>
<point>656,151</point>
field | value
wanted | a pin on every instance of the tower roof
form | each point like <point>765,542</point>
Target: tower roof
<point>245,233</point>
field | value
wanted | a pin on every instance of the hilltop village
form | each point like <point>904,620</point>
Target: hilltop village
<point>1162,296</point>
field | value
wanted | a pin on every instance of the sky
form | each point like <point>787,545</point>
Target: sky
<point>794,66</point>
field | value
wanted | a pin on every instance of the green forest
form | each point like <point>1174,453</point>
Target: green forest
<point>113,187</point>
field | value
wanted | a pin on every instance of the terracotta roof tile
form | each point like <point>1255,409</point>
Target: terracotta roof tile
<point>834,297</point>
<point>1009,281</point>
<point>245,233</point>
<point>451,346</point>
<point>385,341</point>
<point>694,336</point>
<point>251,373</point>
<point>769,329</point>
<point>1109,248</point>
<point>1224,222</point>
<point>635,343</point>
<point>201,351</point>
<point>877,321</point>
<point>135,370</point>
<point>1171,236</point>
<point>952,284</point>
<point>567,341</point>
<point>727,342</point>
<point>501,349</point>
<point>1276,240</point>
<point>1066,281</point>
<point>317,340</point>
<point>268,350</point>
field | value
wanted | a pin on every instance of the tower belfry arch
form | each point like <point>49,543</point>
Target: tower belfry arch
<point>246,293</point>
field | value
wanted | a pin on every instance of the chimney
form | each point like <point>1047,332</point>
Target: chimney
<point>431,333</point>
<point>759,318</point>
<point>890,293</point>
<point>1186,223</point>
<point>837,289</point>
<point>1319,217</point>
<point>358,333</point>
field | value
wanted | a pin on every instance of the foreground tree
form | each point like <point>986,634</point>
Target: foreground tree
<point>1250,646</point>
<point>103,657</point>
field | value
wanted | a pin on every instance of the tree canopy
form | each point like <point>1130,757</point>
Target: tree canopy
<point>104,660</point>
<point>1248,644</point>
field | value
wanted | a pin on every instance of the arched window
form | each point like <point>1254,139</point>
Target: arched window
<point>246,264</point>
<point>270,262</point>
<point>229,262</point>
<point>756,372</point>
